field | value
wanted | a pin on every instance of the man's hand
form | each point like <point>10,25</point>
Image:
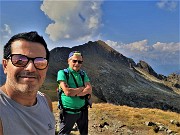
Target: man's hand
<point>70,91</point>
<point>87,90</point>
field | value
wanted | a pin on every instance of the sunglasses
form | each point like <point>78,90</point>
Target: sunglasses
<point>79,61</point>
<point>20,60</point>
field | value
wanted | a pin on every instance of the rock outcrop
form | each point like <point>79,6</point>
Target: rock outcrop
<point>146,67</point>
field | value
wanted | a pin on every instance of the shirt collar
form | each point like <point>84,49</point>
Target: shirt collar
<point>73,71</point>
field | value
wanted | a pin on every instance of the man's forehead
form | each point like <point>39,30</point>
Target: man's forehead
<point>76,57</point>
<point>27,48</point>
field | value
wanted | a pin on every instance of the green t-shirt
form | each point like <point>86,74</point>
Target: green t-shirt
<point>72,102</point>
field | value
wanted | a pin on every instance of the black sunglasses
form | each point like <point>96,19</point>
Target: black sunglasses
<point>20,60</point>
<point>79,61</point>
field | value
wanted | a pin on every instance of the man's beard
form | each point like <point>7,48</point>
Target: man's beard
<point>23,88</point>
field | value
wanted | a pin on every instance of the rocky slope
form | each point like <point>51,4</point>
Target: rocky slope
<point>172,80</point>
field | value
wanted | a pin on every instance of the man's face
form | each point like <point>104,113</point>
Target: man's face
<point>25,79</point>
<point>75,62</point>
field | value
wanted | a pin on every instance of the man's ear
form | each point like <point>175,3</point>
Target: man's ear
<point>68,61</point>
<point>4,65</point>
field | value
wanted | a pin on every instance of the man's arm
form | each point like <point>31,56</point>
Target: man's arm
<point>70,91</point>
<point>1,128</point>
<point>86,90</point>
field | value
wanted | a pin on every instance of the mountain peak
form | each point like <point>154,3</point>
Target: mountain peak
<point>105,46</point>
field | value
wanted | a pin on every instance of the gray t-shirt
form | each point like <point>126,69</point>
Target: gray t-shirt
<point>21,120</point>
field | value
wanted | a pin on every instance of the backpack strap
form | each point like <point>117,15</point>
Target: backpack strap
<point>66,72</point>
<point>74,80</point>
<point>88,96</point>
<point>82,76</point>
<point>60,106</point>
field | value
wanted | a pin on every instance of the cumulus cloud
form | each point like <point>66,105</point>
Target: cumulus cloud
<point>75,20</point>
<point>5,34</point>
<point>167,4</point>
<point>159,53</point>
<point>6,31</point>
<point>137,46</point>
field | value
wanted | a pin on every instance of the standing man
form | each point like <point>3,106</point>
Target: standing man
<point>23,109</point>
<point>75,86</point>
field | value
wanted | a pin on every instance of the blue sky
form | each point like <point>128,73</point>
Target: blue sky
<point>141,30</point>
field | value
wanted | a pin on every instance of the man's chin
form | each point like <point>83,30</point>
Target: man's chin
<point>76,69</point>
<point>26,88</point>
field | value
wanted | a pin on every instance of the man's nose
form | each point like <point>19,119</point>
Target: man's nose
<point>30,66</point>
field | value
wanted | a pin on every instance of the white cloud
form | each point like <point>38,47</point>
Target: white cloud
<point>112,43</point>
<point>75,20</point>
<point>137,46</point>
<point>158,53</point>
<point>167,4</point>
<point>5,35</point>
<point>6,31</point>
<point>167,47</point>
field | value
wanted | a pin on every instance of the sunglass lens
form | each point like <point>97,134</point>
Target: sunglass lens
<point>19,60</point>
<point>80,62</point>
<point>40,63</point>
<point>74,61</point>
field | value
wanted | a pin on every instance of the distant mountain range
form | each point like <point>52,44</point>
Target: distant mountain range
<point>119,80</point>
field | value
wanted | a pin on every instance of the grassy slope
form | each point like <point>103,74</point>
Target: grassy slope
<point>123,119</point>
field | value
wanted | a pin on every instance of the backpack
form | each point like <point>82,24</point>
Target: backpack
<point>86,97</point>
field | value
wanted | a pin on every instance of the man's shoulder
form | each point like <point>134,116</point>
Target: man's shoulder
<point>61,71</point>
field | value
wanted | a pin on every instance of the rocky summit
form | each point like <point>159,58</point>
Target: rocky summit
<point>117,79</point>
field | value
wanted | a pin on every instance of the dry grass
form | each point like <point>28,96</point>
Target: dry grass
<point>133,118</point>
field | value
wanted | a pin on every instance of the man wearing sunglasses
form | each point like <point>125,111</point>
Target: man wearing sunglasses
<point>24,110</point>
<point>73,98</point>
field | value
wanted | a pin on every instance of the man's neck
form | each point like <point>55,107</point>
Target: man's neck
<point>24,99</point>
